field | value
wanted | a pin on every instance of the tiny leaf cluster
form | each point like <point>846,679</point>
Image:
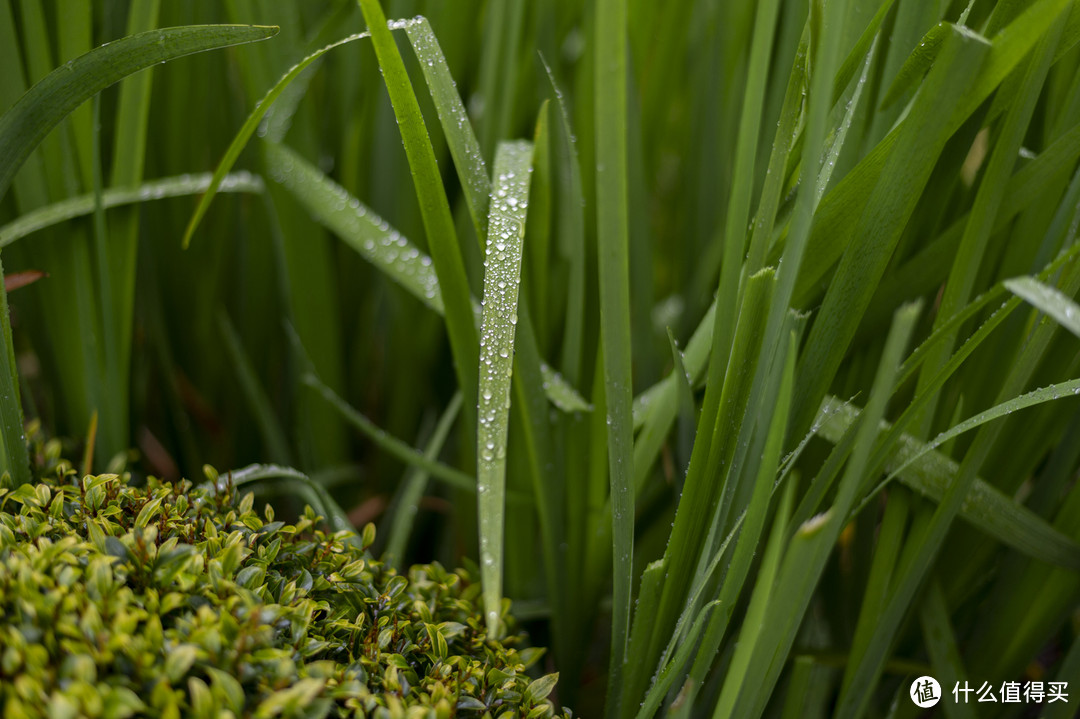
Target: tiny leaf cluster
<point>172,600</point>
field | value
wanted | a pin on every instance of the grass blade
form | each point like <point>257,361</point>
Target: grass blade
<point>240,140</point>
<point>14,459</point>
<point>408,502</point>
<point>923,135</point>
<point>814,539</point>
<point>613,239</point>
<point>383,246</point>
<point>83,205</point>
<point>392,445</point>
<point>434,207</point>
<point>275,443</point>
<point>460,138</point>
<point>918,466</point>
<point>45,104</point>
<point>499,316</point>
<point>316,495</point>
<point>358,226</point>
<point>1049,300</point>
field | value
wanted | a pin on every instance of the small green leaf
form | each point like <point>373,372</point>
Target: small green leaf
<point>538,689</point>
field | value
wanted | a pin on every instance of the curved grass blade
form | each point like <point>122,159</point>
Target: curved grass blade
<point>928,472</point>
<point>460,138</point>
<point>82,205</point>
<point>756,613</point>
<point>840,208</point>
<point>358,226</point>
<point>499,308</point>
<point>675,665</point>
<point>571,231</point>
<point>45,104</point>
<point>448,475</point>
<point>1048,300</point>
<point>917,64</point>
<point>921,139</point>
<point>248,129</point>
<point>561,394</point>
<point>383,246</point>
<point>316,495</point>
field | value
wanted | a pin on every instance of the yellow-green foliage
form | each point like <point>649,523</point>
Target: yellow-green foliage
<point>170,600</point>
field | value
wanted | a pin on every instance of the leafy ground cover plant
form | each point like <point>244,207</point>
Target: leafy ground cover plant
<point>171,600</point>
<point>737,342</point>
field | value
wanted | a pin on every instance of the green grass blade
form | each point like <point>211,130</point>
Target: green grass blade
<point>316,495</point>
<point>941,645</point>
<point>813,541</point>
<point>922,138</point>
<point>358,226</point>
<point>381,245</point>
<point>251,124</point>
<point>886,551</point>
<point>408,502</point>
<point>840,209</point>
<point>737,216</point>
<point>570,224</point>
<point>1049,300</point>
<point>460,138</point>
<point>928,472</point>
<point>129,154</point>
<point>83,205</point>
<point>44,105</point>
<point>687,412</point>
<point>434,207</point>
<point>675,665</point>
<point>752,629</point>
<point>1024,89</point>
<point>612,218</point>
<point>392,445</point>
<point>499,316</point>
<point>924,548</point>
<point>275,442</point>
<point>14,459</point>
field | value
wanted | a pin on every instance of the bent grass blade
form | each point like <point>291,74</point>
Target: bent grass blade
<point>1048,300</point>
<point>83,205</point>
<point>49,101</point>
<point>928,472</point>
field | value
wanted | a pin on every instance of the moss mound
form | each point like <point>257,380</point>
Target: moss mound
<point>171,600</point>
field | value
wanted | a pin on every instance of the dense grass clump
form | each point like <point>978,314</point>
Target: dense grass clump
<point>172,600</point>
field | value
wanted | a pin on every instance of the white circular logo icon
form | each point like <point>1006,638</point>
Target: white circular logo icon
<point>925,692</point>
